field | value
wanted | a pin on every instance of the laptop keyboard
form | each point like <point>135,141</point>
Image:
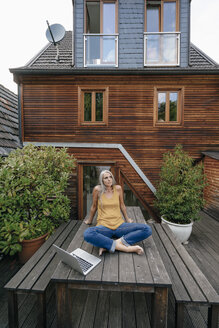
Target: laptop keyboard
<point>83,263</point>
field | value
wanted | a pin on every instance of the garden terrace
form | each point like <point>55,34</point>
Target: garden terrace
<point>123,309</point>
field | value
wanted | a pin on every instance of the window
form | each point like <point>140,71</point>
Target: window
<point>162,16</point>
<point>168,106</point>
<point>161,36</point>
<point>101,38</point>
<point>101,16</point>
<point>93,106</point>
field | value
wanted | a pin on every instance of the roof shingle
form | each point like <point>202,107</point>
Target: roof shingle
<point>9,131</point>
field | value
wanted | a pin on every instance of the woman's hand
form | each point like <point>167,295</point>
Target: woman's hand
<point>93,208</point>
<point>87,221</point>
<point>129,220</point>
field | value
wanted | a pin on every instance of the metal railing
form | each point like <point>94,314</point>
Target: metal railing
<point>162,49</point>
<point>100,50</point>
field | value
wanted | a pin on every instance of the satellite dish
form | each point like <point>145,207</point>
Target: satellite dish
<point>55,33</point>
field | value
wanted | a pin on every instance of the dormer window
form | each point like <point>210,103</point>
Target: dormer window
<point>101,38</point>
<point>161,36</point>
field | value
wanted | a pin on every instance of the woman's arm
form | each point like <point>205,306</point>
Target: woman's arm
<point>122,204</point>
<point>93,208</point>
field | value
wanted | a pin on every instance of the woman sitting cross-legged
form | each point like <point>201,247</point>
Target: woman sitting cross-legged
<point>108,198</point>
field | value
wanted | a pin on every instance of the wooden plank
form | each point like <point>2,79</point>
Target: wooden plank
<point>79,299</point>
<point>41,307</point>
<point>156,265</point>
<point>213,316</point>
<point>51,305</point>
<point>196,316</point>
<point>128,313</point>
<point>42,264</point>
<point>159,308</point>
<point>4,314</point>
<point>141,311</point>
<point>115,316</point>
<point>177,286</point>
<point>111,268</point>
<point>64,306</point>
<point>199,277</point>
<point>207,264</point>
<point>102,310</point>
<point>126,269</point>
<point>26,309</point>
<point>179,315</point>
<point>188,280</point>
<point>12,310</point>
<point>45,277</point>
<point>155,262</point>
<point>142,270</point>
<point>88,316</point>
<point>209,253</point>
<point>27,267</point>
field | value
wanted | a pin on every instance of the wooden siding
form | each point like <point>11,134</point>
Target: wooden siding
<point>50,114</point>
<point>211,166</point>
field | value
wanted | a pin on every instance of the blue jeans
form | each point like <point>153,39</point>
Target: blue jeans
<point>130,233</point>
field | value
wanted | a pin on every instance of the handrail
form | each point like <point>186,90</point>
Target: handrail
<point>97,50</point>
<point>159,50</point>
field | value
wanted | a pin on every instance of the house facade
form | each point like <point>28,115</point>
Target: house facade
<point>127,86</point>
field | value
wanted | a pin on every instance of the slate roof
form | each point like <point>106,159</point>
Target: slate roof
<point>46,57</point>
<point>45,60</point>
<point>199,59</point>
<point>9,132</point>
<point>212,154</point>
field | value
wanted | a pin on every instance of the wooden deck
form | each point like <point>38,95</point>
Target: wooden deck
<point>121,309</point>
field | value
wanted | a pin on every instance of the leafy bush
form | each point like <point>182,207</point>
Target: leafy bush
<point>180,189</point>
<point>32,200</point>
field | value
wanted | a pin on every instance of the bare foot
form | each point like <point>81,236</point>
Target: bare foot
<point>128,249</point>
<point>101,250</point>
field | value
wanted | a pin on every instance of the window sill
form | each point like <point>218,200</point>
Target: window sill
<point>168,125</point>
<point>93,124</point>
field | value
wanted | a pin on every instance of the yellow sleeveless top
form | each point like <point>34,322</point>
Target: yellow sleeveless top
<point>109,214</point>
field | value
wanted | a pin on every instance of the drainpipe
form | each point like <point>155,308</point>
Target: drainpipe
<point>19,114</point>
<point>73,57</point>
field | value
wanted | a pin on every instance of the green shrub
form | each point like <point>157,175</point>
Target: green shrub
<point>180,189</point>
<point>32,200</point>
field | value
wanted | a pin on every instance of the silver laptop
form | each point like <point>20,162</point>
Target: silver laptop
<point>79,259</point>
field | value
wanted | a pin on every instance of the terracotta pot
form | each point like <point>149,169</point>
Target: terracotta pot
<point>29,247</point>
<point>181,231</point>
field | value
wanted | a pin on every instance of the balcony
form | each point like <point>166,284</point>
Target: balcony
<point>100,50</point>
<point>162,49</point>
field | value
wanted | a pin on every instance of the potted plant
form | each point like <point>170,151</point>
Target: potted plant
<point>33,203</point>
<point>179,196</point>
